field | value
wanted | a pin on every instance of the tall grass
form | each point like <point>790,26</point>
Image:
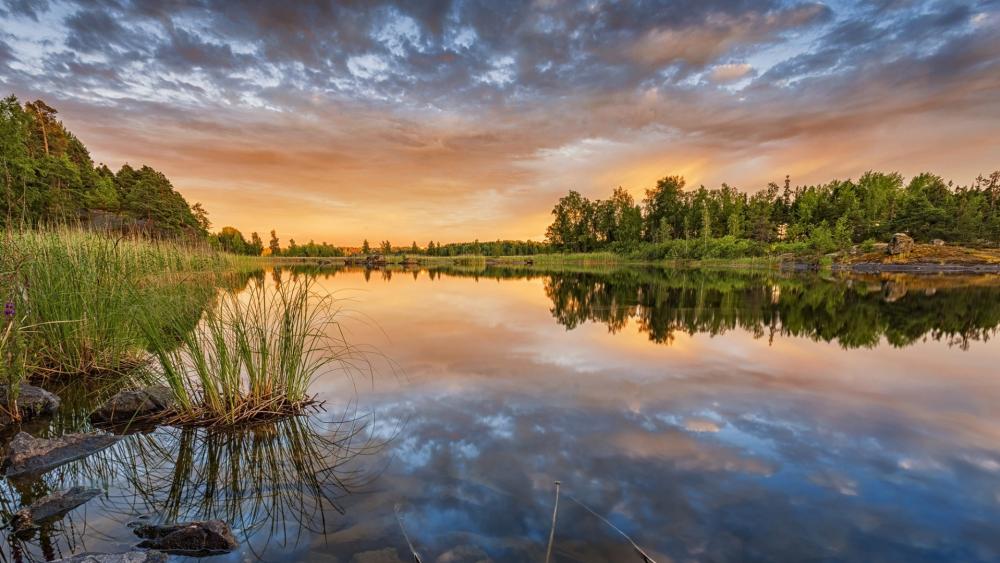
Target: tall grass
<point>254,354</point>
<point>12,330</point>
<point>78,291</point>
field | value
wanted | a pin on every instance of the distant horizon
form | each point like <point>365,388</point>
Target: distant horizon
<point>464,121</point>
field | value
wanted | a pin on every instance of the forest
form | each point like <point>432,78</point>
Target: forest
<point>824,218</point>
<point>48,177</point>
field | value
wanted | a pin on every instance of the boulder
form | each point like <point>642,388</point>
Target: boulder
<point>134,556</point>
<point>51,507</point>
<point>31,402</point>
<point>136,404</point>
<point>187,538</point>
<point>937,242</point>
<point>29,455</point>
<point>900,243</point>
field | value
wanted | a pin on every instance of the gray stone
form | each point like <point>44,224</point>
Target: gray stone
<point>31,402</point>
<point>187,538</point>
<point>51,507</point>
<point>134,556</point>
<point>937,242</point>
<point>29,455</point>
<point>136,404</point>
<point>900,243</point>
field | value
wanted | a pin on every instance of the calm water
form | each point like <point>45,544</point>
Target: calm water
<point>712,417</point>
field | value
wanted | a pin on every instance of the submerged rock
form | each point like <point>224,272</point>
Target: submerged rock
<point>187,538</point>
<point>900,243</point>
<point>50,507</point>
<point>31,402</point>
<point>134,556</point>
<point>135,404</point>
<point>27,454</point>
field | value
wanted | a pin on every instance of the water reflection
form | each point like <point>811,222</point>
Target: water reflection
<point>275,483</point>
<point>852,310</point>
<point>713,416</point>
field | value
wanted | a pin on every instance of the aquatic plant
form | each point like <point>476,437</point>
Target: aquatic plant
<point>78,290</point>
<point>254,354</point>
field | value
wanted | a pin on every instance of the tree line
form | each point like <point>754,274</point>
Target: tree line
<point>822,217</point>
<point>475,248</point>
<point>47,176</point>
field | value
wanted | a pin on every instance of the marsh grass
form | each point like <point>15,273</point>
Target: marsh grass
<point>254,355</point>
<point>78,292</point>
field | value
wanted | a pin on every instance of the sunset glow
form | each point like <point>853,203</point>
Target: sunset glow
<point>465,120</point>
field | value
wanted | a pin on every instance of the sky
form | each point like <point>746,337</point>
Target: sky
<point>452,120</point>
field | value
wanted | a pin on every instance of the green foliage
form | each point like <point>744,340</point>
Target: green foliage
<point>824,218</point>
<point>313,250</point>
<point>78,292</point>
<point>47,176</point>
<point>495,248</point>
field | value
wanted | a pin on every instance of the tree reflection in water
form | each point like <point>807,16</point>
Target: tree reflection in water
<point>855,311</point>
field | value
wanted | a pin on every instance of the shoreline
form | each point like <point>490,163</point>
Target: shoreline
<point>918,259</point>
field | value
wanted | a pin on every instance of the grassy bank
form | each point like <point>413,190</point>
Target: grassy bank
<point>75,295</point>
<point>82,304</point>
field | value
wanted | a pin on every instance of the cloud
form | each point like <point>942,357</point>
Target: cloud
<point>730,72</point>
<point>425,114</point>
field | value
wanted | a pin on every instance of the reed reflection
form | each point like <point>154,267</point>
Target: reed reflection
<point>276,483</point>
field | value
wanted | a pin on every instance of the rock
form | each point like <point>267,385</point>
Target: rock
<point>136,404</point>
<point>29,455</point>
<point>187,538</point>
<point>31,402</point>
<point>900,243</point>
<point>937,242</point>
<point>134,556</point>
<point>50,507</point>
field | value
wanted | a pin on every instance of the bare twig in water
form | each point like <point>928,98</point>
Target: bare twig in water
<point>413,552</point>
<point>552,531</point>
<point>646,558</point>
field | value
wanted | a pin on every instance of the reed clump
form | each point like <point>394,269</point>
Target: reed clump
<point>253,356</point>
<point>78,291</point>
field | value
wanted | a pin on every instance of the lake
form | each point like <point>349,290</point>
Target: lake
<point>710,416</point>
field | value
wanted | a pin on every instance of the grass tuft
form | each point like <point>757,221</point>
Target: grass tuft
<point>253,356</point>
